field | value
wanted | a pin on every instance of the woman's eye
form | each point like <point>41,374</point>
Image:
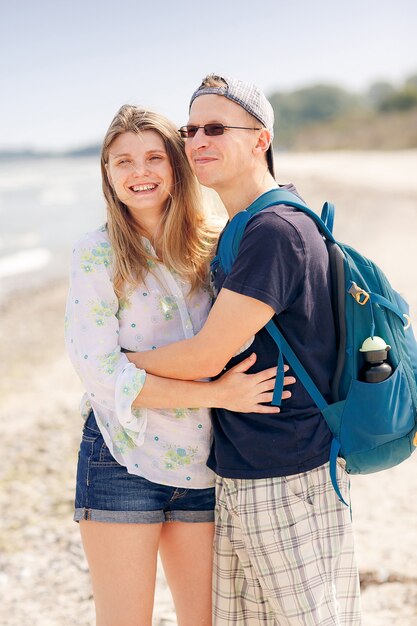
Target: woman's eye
<point>155,157</point>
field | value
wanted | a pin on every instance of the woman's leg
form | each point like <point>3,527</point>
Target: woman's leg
<point>186,552</point>
<point>122,559</point>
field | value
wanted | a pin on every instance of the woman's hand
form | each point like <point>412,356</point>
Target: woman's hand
<point>244,393</point>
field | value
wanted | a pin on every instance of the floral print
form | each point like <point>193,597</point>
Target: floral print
<point>167,446</point>
<point>178,457</point>
<point>108,362</point>
<point>94,257</point>
<point>185,413</point>
<point>100,310</point>
<point>168,307</point>
<point>122,442</point>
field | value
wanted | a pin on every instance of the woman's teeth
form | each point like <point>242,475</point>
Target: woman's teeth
<point>143,187</point>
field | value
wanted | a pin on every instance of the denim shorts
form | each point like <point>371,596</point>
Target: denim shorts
<point>106,492</point>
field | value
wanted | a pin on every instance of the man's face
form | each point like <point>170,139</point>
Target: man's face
<point>223,160</point>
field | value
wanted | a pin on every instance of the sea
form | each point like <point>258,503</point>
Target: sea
<point>45,206</point>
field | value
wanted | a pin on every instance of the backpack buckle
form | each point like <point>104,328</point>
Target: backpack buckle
<point>408,318</point>
<point>360,295</point>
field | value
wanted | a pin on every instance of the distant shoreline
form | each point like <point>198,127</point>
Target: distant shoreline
<point>16,155</point>
<point>94,151</point>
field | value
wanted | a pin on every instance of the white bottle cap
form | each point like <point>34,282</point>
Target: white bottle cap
<point>374,343</point>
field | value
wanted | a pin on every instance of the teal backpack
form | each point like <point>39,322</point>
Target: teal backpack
<point>373,424</point>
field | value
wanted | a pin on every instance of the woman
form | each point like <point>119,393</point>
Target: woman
<point>136,284</point>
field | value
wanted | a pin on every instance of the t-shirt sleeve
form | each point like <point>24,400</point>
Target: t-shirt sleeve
<point>270,264</point>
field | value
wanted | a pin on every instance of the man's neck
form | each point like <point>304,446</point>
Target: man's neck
<point>236,199</point>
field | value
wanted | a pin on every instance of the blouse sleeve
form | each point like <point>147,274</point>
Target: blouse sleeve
<point>92,338</point>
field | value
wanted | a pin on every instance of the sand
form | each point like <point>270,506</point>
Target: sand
<point>43,575</point>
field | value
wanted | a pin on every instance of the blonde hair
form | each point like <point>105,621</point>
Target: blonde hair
<point>186,241</point>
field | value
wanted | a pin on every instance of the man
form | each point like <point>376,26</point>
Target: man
<point>284,549</point>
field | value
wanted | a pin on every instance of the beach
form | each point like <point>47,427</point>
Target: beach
<point>43,573</point>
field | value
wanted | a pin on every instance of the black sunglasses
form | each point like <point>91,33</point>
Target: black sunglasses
<point>211,130</point>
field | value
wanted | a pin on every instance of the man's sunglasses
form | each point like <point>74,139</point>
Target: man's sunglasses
<point>211,130</point>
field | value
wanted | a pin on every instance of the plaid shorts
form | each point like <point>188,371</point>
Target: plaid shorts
<point>284,552</point>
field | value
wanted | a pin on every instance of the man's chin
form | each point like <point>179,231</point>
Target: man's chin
<point>202,175</point>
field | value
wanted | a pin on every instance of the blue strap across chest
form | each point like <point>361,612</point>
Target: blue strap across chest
<point>227,251</point>
<point>233,233</point>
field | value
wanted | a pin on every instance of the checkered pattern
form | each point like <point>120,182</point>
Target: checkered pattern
<point>247,95</point>
<point>252,99</point>
<point>284,553</point>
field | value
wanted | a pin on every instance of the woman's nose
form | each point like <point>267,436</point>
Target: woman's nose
<point>140,168</point>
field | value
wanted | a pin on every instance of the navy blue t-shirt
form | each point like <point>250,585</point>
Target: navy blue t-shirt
<point>282,261</point>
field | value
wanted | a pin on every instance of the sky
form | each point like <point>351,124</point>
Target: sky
<point>67,66</point>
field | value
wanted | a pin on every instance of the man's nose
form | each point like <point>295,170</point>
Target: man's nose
<point>200,139</point>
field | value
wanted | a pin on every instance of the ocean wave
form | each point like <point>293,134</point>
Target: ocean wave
<point>24,262</point>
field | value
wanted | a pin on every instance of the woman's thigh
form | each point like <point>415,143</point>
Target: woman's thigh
<point>122,559</point>
<point>186,552</point>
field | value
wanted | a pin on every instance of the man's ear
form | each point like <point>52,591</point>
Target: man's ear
<point>264,141</point>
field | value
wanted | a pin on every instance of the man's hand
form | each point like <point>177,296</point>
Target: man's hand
<point>245,393</point>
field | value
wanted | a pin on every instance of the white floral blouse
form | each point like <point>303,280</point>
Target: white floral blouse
<point>166,446</point>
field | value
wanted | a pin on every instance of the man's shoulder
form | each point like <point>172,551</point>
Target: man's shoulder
<point>279,222</point>
<point>284,220</point>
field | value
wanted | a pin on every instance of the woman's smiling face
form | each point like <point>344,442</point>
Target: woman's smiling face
<point>140,172</point>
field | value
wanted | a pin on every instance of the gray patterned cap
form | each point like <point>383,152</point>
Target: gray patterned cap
<point>248,96</point>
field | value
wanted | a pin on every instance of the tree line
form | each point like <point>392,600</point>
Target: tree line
<point>324,103</point>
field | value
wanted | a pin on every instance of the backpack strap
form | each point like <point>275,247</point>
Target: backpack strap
<point>334,453</point>
<point>278,196</point>
<point>307,382</point>
<point>327,215</point>
<point>226,254</point>
<point>301,373</point>
<point>228,249</point>
<point>378,299</point>
<point>230,241</point>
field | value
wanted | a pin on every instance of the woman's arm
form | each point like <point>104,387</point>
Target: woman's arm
<point>92,337</point>
<point>234,390</point>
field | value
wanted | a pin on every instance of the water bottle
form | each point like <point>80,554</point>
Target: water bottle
<point>376,367</point>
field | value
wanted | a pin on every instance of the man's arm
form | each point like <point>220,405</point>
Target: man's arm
<point>232,321</point>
